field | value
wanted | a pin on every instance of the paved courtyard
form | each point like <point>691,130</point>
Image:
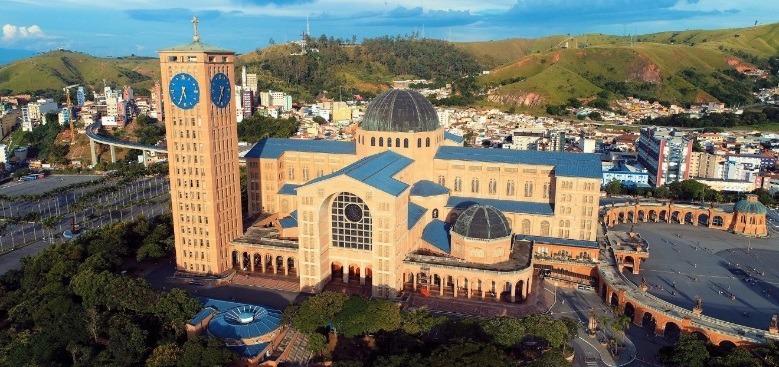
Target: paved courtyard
<point>40,186</point>
<point>687,261</point>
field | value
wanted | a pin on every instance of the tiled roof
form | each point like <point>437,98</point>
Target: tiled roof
<point>560,241</point>
<point>436,233</point>
<point>248,351</point>
<point>565,164</point>
<point>376,170</point>
<point>455,138</point>
<point>266,319</point>
<point>427,188</point>
<point>202,315</point>
<point>510,206</point>
<point>288,189</point>
<point>275,147</point>
<point>415,213</point>
<point>291,221</point>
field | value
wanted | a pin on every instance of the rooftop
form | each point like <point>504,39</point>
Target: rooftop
<point>555,240</point>
<point>624,241</point>
<point>455,138</point>
<point>428,188</point>
<point>565,164</point>
<point>482,222</point>
<point>198,46</point>
<point>519,258</point>
<point>415,213</point>
<point>436,233</point>
<point>275,147</point>
<point>510,206</point>
<point>265,237</point>
<point>238,321</point>
<point>400,110</point>
<point>376,170</point>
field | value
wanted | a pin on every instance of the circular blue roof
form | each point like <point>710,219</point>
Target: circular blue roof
<point>244,322</point>
<point>750,207</point>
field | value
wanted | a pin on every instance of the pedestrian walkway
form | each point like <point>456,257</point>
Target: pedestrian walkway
<point>266,281</point>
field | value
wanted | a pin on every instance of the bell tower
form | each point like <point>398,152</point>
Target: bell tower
<point>202,140</point>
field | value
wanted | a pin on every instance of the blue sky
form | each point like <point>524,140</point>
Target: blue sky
<point>118,28</point>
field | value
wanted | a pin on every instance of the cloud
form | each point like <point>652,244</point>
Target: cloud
<point>273,2</point>
<point>405,17</point>
<point>176,14</point>
<point>12,33</point>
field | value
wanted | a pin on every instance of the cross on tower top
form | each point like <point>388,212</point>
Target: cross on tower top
<point>196,38</point>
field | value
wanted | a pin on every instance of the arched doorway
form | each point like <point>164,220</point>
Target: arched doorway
<point>688,218</point>
<point>663,216</point>
<point>614,299</point>
<point>368,275</point>
<point>629,263</point>
<point>717,221</point>
<point>672,332</point>
<point>236,262</point>
<point>280,264</point>
<point>703,219</point>
<point>269,264</point>
<point>630,310</point>
<point>700,335</point>
<point>641,216</point>
<point>621,217</point>
<point>631,218</point>
<point>336,272</point>
<point>675,217</point>
<point>257,262</point>
<point>246,261</point>
<point>354,274</point>
<point>291,269</point>
<point>648,322</point>
<point>652,215</point>
<point>727,345</point>
<point>520,285</point>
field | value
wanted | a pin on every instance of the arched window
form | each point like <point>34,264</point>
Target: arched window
<point>442,180</point>
<point>427,142</point>
<point>510,188</point>
<point>389,142</point>
<point>528,189</point>
<point>352,224</point>
<point>475,185</point>
<point>458,184</point>
<point>545,228</point>
<point>525,226</point>
<point>381,142</point>
<point>435,213</point>
<point>405,143</point>
<point>397,142</point>
<point>546,190</point>
<point>419,143</point>
<point>373,141</point>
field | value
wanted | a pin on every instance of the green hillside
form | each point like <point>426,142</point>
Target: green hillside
<point>56,69</point>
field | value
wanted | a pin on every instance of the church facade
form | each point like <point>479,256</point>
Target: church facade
<point>406,205</point>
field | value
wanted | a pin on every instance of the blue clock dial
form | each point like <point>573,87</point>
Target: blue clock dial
<point>184,91</point>
<point>220,90</point>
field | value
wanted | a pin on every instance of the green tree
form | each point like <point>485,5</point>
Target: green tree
<point>126,342</point>
<point>176,308</point>
<point>205,352</point>
<point>738,357</point>
<point>418,321</point>
<point>505,331</point>
<point>317,311</point>
<point>551,358</point>
<point>614,187</point>
<point>466,353</point>
<point>689,351</point>
<point>595,115</point>
<point>165,355</point>
<point>764,196</point>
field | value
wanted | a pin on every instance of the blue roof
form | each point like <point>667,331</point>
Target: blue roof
<point>291,221</point>
<point>376,170</point>
<point>288,189</point>
<point>248,351</point>
<point>428,188</point>
<point>275,147</point>
<point>509,206</point>
<point>415,213</point>
<point>202,315</point>
<point>455,138</point>
<point>436,233</point>
<point>225,325</point>
<point>565,164</point>
<point>560,241</point>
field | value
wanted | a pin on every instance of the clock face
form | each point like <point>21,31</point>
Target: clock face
<point>353,212</point>
<point>184,91</point>
<point>220,90</point>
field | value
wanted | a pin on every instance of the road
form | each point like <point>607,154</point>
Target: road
<point>40,186</point>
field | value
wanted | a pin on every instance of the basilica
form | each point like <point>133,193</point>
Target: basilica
<point>406,206</point>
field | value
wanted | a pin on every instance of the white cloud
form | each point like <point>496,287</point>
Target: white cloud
<point>12,33</point>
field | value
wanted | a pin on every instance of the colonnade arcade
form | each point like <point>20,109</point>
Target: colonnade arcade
<point>458,285</point>
<point>351,274</point>
<point>265,262</point>
<point>667,213</point>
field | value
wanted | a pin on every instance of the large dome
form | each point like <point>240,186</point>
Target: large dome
<point>750,207</point>
<point>400,110</point>
<point>482,222</point>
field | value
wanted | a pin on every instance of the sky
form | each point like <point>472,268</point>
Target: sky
<point>140,27</point>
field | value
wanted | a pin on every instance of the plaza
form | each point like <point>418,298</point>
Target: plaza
<point>688,261</point>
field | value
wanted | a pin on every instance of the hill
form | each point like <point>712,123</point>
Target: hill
<point>56,69</point>
<point>680,67</point>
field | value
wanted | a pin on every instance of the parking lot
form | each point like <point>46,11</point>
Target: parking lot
<point>735,284</point>
<point>40,186</point>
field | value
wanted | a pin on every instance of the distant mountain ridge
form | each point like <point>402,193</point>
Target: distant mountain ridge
<point>683,67</point>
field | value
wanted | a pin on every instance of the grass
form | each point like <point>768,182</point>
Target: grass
<point>762,127</point>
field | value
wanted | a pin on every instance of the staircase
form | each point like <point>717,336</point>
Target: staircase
<point>269,282</point>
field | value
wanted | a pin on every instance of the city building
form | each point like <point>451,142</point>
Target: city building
<point>81,97</point>
<point>665,153</point>
<point>248,103</point>
<point>37,110</point>
<point>628,175</point>
<point>741,167</point>
<point>405,205</point>
<point>706,165</point>
<point>202,141</point>
<point>64,116</point>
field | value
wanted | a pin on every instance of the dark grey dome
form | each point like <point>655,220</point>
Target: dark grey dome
<point>482,222</point>
<point>400,110</point>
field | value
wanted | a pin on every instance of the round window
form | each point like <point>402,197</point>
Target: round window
<point>353,212</point>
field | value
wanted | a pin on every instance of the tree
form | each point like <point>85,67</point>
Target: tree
<point>126,342</point>
<point>165,355</point>
<point>764,196</point>
<point>689,351</point>
<point>466,353</point>
<point>202,352</point>
<point>418,321</point>
<point>176,308</point>
<point>614,187</point>
<point>738,357</point>
<point>595,115</point>
<point>505,331</point>
<point>317,311</point>
<point>551,358</point>
<point>319,120</point>
<point>662,192</point>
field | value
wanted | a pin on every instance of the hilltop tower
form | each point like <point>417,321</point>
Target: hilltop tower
<point>202,137</point>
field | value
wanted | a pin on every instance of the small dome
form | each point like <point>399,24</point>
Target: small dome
<point>400,110</point>
<point>748,206</point>
<point>482,222</point>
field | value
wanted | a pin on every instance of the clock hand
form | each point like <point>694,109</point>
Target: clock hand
<point>221,93</point>
<point>183,94</point>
